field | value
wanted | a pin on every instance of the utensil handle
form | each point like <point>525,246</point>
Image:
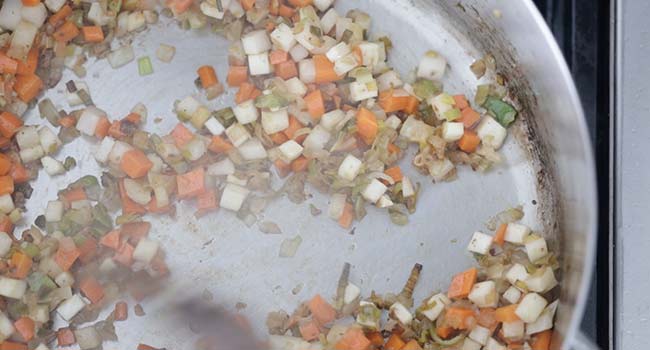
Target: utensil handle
<point>582,342</point>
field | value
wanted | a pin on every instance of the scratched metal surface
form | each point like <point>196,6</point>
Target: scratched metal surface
<point>240,264</point>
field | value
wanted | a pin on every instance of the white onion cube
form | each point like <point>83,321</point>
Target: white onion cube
<point>350,167</point>
<point>54,211</point>
<point>233,197</point>
<point>374,191</point>
<point>71,307</point>
<point>259,64</point>
<point>296,86</point>
<point>105,148</point>
<point>530,307</point>
<point>536,248</point>
<point>331,120</point>
<point>237,134</point>
<point>31,154</point>
<point>146,250</point>
<point>256,42</point>
<point>290,150</point>
<point>515,233</point>
<point>52,166</point>
<point>48,140</point>
<point>480,334</point>
<point>5,243</point>
<point>246,112</point>
<point>6,203</point>
<point>484,294</point>
<point>27,137</point>
<point>435,305</point>
<point>316,139</point>
<point>493,344</point>
<point>273,122</point>
<point>222,168</point>
<point>12,288</point>
<point>400,313</point>
<point>252,150</point>
<point>491,132</point>
<point>352,292</point>
<point>480,243</point>
<point>452,131</point>
<point>517,273</point>
<point>513,330</point>
<point>214,126</point>
<point>512,295</point>
<point>89,119</point>
<point>432,66</point>
<point>469,344</point>
<point>541,280</point>
<point>544,321</point>
<point>282,37</point>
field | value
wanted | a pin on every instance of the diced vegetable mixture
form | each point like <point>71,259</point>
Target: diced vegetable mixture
<point>317,103</point>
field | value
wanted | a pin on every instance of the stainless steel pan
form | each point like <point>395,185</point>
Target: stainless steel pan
<point>549,170</point>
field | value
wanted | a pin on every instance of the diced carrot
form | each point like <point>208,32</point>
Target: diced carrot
<point>135,163</point>
<point>286,11</point>
<point>133,117</point>
<point>412,105</point>
<point>208,76</point>
<point>136,230</point>
<point>394,342</point>
<point>278,138</point>
<point>142,346</point>
<point>392,148</point>
<point>124,255</point>
<point>237,75</point>
<point>101,130</point>
<point>20,174</point>
<point>28,86</point>
<point>347,217</point>
<point>207,201</point>
<point>128,205</point>
<point>60,15</point>
<point>121,312</point>
<point>321,310</point>
<point>159,266</point>
<point>325,72</point>
<point>92,34</point>
<point>181,6</point>
<point>391,102</point>
<point>412,345</point>
<point>219,145</point>
<point>21,264</point>
<point>367,126</point>
<point>300,164</point>
<point>506,313</point>
<point>68,121</point>
<point>395,172</point>
<point>542,341</point>
<point>5,164</point>
<point>282,168</point>
<point>294,125</point>
<point>247,4</point>
<point>6,185</point>
<point>115,130</point>
<point>26,327</point>
<point>7,64</point>
<point>9,124</point>
<point>469,142</point>
<point>500,236</point>
<point>375,338</point>
<point>309,330</point>
<point>92,289</point>
<point>66,32</point>
<point>278,56</point>
<point>468,117</point>
<point>28,66</point>
<point>461,102</point>
<point>181,135</point>
<point>4,142</point>
<point>487,318</point>
<point>460,318</point>
<point>87,250</point>
<point>67,253</point>
<point>73,194</point>
<point>65,337</point>
<point>191,184</point>
<point>8,345</point>
<point>299,4</point>
<point>315,104</point>
<point>6,225</point>
<point>286,70</point>
<point>353,339</point>
<point>462,284</point>
<point>444,331</point>
<point>245,92</point>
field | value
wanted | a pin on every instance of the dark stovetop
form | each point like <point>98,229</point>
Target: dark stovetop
<point>582,29</point>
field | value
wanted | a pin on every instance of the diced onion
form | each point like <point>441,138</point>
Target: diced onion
<point>137,192</point>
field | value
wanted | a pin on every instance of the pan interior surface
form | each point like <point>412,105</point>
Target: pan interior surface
<point>236,263</point>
